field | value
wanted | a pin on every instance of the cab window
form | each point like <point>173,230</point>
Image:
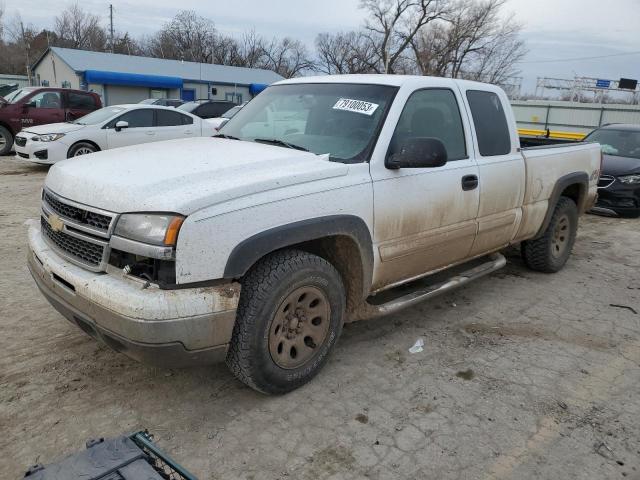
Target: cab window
<point>46,100</point>
<point>139,118</point>
<point>432,113</point>
<point>80,101</point>
<point>490,122</point>
<point>168,118</point>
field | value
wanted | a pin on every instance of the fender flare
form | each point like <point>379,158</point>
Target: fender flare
<point>577,178</point>
<point>249,251</point>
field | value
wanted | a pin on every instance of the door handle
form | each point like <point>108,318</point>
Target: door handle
<point>150,133</point>
<point>469,182</point>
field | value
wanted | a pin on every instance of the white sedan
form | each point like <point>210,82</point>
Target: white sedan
<point>109,127</point>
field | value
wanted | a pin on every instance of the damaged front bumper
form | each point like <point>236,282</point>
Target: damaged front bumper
<point>167,328</point>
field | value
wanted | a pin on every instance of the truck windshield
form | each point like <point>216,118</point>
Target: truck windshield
<point>99,116</point>
<point>339,119</point>
<point>620,143</point>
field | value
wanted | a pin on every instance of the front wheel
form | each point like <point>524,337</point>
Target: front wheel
<point>81,148</point>
<point>550,252</point>
<point>6,141</point>
<point>289,318</point>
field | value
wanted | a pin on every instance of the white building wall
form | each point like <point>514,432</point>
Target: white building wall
<point>223,90</point>
<point>53,69</point>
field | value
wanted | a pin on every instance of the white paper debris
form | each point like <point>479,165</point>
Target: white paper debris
<point>418,346</point>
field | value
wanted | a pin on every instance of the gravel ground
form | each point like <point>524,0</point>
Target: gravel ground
<point>523,376</point>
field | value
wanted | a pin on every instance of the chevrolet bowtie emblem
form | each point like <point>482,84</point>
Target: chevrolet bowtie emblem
<point>55,222</point>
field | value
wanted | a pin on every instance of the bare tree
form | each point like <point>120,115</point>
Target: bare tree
<point>346,52</point>
<point>471,41</point>
<point>288,57</point>
<point>76,28</point>
<point>186,37</point>
<point>393,24</point>
<point>251,50</point>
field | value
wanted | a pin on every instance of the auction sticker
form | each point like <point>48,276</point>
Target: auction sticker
<point>356,106</point>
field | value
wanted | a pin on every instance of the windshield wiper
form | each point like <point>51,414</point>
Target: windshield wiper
<point>281,143</point>
<point>228,137</point>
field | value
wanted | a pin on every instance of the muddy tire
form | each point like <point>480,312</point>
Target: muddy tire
<point>550,252</point>
<point>290,315</point>
<point>81,148</point>
<point>6,141</point>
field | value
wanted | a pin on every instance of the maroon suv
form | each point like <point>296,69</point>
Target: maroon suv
<point>40,105</point>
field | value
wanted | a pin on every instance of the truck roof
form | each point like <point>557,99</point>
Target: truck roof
<point>380,79</point>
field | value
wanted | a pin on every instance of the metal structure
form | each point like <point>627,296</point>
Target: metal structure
<point>578,86</point>
<point>570,120</point>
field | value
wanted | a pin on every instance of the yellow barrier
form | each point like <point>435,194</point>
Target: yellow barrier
<point>525,132</point>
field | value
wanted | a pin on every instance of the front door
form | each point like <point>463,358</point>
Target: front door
<point>42,108</point>
<point>140,129</point>
<point>425,218</point>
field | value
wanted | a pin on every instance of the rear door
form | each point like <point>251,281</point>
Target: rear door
<point>141,128</point>
<point>171,124</point>
<point>425,218</point>
<point>78,104</point>
<point>501,166</point>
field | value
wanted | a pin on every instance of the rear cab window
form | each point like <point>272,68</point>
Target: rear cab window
<point>490,121</point>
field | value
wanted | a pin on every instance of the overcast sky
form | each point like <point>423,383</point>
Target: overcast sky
<point>554,29</point>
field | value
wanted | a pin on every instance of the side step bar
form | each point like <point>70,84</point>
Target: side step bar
<point>496,262</point>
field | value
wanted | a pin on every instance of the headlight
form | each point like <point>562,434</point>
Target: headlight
<point>50,137</point>
<point>156,229</point>
<point>630,179</point>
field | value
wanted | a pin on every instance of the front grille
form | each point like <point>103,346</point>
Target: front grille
<point>79,215</point>
<point>81,250</point>
<point>605,180</point>
<point>23,155</point>
<point>21,141</point>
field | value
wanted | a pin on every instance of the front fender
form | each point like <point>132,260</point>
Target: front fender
<point>248,252</point>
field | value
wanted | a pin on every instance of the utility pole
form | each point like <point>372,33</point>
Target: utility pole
<point>111,24</point>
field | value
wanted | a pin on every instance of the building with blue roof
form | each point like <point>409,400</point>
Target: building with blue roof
<point>122,79</point>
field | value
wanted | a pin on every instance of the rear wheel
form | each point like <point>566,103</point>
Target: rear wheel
<point>81,148</point>
<point>6,141</point>
<point>550,252</point>
<point>289,318</point>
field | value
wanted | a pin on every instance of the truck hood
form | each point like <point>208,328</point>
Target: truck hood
<point>184,176</point>
<point>616,166</point>
<point>54,128</point>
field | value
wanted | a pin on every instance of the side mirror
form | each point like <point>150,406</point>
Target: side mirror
<point>28,105</point>
<point>418,152</point>
<point>121,124</point>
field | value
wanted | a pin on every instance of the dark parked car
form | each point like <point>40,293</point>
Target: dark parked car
<point>165,102</point>
<point>32,106</point>
<point>207,108</point>
<point>619,185</point>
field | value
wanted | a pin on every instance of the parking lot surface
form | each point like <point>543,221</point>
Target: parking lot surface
<point>523,376</point>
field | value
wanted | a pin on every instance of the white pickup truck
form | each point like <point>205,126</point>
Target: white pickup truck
<point>256,249</point>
